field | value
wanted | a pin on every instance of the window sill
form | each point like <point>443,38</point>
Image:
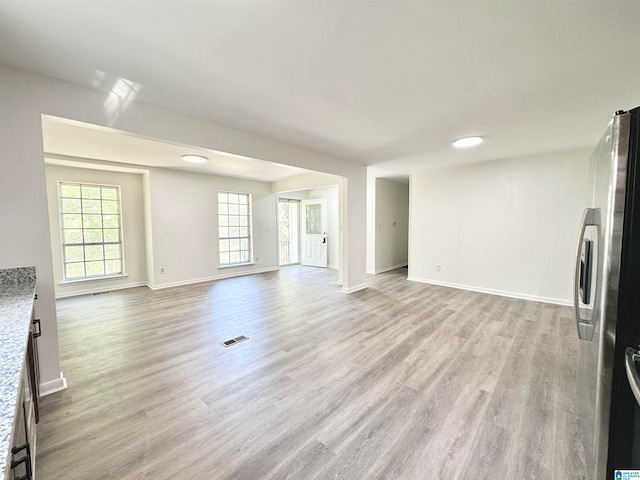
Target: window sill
<point>96,279</point>
<point>223,267</point>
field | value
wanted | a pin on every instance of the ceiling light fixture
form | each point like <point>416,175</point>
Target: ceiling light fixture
<point>468,142</point>
<point>194,158</point>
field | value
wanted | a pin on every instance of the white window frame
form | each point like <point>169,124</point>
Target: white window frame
<point>85,244</point>
<point>225,234</point>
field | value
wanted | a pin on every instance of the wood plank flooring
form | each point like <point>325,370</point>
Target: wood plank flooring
<point>399,381</point>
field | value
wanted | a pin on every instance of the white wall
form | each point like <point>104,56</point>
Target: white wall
<point>131,192</point>
<point>371,221</point>
<point>184,223</point>
<point>391,225</point>
<point>306,181</point>
<point>24,240</point>
<point>24,215</point>
<point>507,226</point>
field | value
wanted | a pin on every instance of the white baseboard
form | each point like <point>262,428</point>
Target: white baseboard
<point>53,386</point>
<point>230,274</point>
<point>99,289</point>
<point>388,269</point>
<point>491,291</point>
<point>334,267</point>
<point>357,288</point>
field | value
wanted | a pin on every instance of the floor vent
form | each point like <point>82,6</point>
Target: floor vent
<point>233,341</point>
<point>100,293</point>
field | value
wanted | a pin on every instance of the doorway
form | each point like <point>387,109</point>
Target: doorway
<point>307,227</point>
<point>391,223</point>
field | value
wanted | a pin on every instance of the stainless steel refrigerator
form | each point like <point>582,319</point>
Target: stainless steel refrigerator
<point>607,304</point>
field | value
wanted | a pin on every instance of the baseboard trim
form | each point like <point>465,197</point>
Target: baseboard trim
<point>99,289</point>
<point>491,291</point>
<point>357,288</point>
<point>333,267</point>
<point>212,278</point>
<point>53,386</point>
<point>392,267</point>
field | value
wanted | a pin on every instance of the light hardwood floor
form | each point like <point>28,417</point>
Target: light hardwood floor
<point>399,381</point>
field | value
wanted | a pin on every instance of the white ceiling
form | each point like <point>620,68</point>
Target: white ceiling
<point>68,140</point>
<point>387,83</point>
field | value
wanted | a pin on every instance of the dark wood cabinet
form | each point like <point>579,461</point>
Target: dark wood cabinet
<point>34,366</point>
<point>24,427</point>
<point>23,439</point>
<point>20,386</point>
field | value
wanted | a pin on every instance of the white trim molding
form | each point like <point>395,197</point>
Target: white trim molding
<point>388,269</point>
<point>53,386</point>
<point>357,288</point>
<point>98,289</point>
<point>490,291</point>
<point>211,279</point>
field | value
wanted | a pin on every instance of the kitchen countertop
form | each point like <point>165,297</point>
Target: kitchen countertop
<point>17,290</point>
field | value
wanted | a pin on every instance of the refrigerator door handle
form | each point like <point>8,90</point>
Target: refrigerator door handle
<point>631,357</point>
<point>585,328</point>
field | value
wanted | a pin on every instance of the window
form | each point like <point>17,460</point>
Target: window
<point>234,228</point>
<point>91,230</point>
<point>288,215</point>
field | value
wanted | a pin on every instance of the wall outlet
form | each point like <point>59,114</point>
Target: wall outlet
<point>162,270</point>
<point>256,259</point>
<point>437,267</point>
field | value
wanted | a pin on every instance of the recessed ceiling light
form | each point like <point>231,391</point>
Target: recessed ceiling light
<point>194,158</point>
<point>467,142</point>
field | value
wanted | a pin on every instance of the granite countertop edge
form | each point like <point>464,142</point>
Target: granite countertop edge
<point>17,290</point>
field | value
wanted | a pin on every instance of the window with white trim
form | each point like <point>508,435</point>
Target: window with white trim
<point>91,224</point>
<point>234,228</point>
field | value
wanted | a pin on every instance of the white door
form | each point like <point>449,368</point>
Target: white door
<point>314,232</point>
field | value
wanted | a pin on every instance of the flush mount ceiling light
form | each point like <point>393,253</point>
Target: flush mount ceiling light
<point>468,142</point>
<point>194,158</point>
